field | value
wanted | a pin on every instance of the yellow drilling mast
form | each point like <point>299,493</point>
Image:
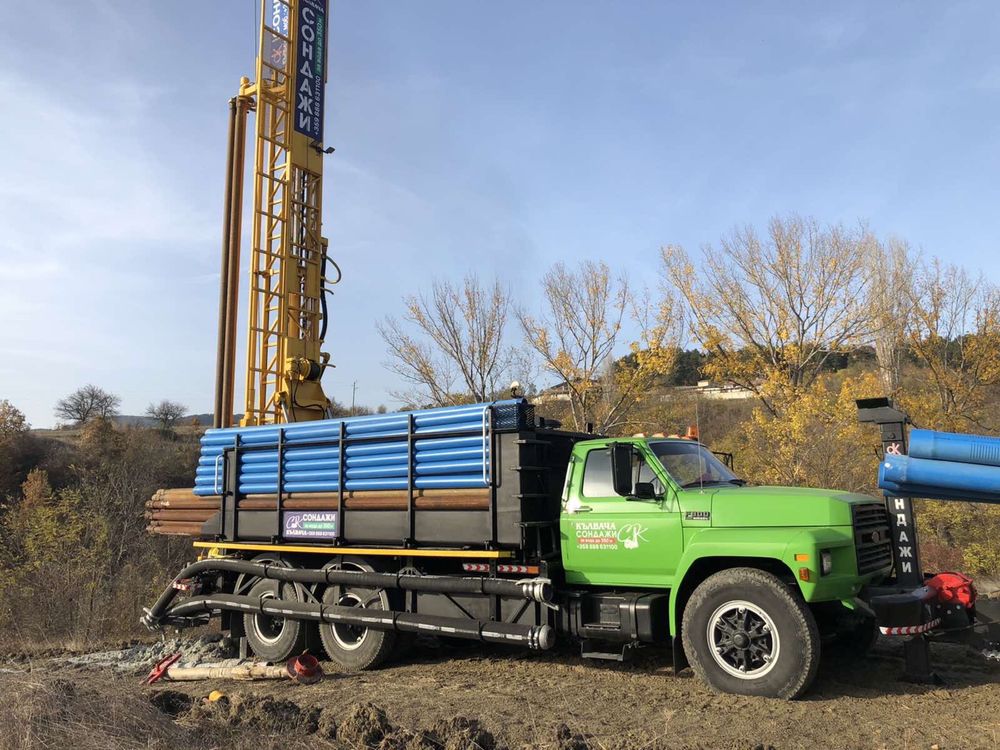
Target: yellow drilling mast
<point>288,261</point>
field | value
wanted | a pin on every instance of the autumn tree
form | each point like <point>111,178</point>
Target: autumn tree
<point>12,421</point>
<point>954,334</point>
<point>166,413</point>
<point>86,403</point>
<point>579,331</point>
<point>771,310</point>
<point>451,344</point>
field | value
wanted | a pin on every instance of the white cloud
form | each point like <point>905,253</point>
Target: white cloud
<point>78,177</point>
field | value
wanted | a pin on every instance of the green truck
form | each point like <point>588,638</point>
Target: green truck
<point>615,544</point>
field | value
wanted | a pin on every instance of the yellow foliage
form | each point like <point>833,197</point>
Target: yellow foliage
<point>815,442</point>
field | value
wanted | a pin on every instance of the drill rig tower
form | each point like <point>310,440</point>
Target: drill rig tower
<point>287,304</point>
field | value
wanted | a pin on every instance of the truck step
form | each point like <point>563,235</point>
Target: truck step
<point>607,651</point>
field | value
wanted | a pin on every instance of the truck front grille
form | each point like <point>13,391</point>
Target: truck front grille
<point>871,537</point>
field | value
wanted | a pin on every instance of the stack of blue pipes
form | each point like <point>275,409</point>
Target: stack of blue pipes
<point>944,466</point>
<point>311,451</point>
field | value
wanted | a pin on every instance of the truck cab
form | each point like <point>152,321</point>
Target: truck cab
<point>740,571</point>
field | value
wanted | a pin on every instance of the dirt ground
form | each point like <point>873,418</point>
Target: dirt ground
<point>491,698</point>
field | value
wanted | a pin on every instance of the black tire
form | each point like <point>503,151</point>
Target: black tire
<point>353,648</point>
<point>746,632</point>
<point>275,639</point>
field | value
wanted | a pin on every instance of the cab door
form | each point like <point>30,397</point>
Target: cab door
<point>622,541</point>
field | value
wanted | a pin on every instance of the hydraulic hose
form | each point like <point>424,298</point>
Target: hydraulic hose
<point>538,637</point>
<point>534,589</point>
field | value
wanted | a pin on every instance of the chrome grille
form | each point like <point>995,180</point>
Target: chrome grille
<point>872,539</point>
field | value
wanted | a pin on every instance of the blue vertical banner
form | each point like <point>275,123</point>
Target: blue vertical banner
<point>310,68</point>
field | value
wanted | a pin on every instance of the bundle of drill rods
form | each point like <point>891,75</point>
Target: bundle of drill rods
<point>180,511</point>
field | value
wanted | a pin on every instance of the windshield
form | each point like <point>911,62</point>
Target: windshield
<point>692,464</point>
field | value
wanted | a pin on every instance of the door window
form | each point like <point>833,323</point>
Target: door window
<point>597,479</point>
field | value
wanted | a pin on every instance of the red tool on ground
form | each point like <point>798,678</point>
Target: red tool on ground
<point>304,669</point>
<point>160,670</point>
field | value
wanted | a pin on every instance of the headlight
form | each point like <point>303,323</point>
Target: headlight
<point>825,562</point>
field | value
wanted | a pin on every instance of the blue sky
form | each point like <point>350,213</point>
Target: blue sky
<point>494,137</point>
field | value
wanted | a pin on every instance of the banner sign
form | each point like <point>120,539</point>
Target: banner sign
<point>305,524</point>
<point>310,68</point>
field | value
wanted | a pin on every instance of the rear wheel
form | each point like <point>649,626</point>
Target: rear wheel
<point>746,632</point>
<point>274,639</point>
<point>355,647</point>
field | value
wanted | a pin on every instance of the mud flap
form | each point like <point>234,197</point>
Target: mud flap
<point>680,658</point>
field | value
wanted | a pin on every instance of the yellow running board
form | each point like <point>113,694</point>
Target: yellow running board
<point>391,552</point>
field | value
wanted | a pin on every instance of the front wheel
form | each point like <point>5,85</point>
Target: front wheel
<point>746,632</point>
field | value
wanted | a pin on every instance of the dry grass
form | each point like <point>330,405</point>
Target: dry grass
<point>46,712</point>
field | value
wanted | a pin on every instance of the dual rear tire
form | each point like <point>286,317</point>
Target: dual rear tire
<point>352,647</point>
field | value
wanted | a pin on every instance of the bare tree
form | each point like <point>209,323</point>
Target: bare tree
<point>580,330</point>
<point>166,413</point>
<point>892,301</point>
<point>771,311</point>
<point>451,346</point>
<point>86,403</point>
<point>954,332</point>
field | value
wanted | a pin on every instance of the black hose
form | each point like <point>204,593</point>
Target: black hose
<point>534,636</point>
<point>534,589</point>
<point>323,291</point>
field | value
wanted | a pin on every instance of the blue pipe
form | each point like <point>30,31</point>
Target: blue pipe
<point>360,485</point>
<point>947,476</point>
<point>935,493</point>
<point>363,425</point>
<point>332,433</point>
<point>446,457</point>
<point>423,445</point>
<point>950,446</point>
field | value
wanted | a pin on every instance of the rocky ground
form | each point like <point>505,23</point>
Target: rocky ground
<point>459,697</point>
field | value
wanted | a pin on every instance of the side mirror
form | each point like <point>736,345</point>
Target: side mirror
<point>645,491</point>
<point>621,468</point>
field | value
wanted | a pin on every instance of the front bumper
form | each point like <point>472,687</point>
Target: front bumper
<point>909,612</point>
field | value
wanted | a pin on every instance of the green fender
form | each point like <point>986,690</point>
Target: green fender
<point>774,545</point>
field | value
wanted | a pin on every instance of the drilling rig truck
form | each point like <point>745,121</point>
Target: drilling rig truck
<point>485,521</point>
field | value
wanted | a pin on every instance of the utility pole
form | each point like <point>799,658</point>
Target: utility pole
<point>354,395</point>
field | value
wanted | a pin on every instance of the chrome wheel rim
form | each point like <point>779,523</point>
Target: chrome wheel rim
<point>265,627</point>
<point>743,640</point>
<point>349,637</point>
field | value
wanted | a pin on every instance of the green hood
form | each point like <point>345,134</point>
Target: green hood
<point>782,506</point>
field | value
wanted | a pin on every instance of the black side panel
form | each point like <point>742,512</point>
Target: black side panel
<point>452,527</point>
<point>454,605</point>
<point>374,526</point>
